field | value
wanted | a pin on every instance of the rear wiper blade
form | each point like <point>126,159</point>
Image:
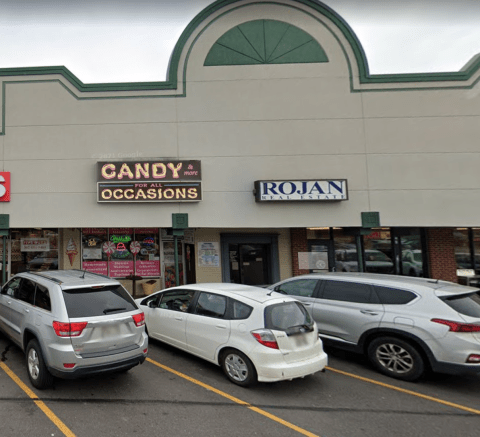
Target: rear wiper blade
<point>305,327</point>
<point>112,310</point>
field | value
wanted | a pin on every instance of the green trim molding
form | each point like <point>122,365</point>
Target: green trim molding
<point>221,7</point>
<point>265,42</point>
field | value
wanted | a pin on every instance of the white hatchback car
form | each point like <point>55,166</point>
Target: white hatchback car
<point>253,333</point>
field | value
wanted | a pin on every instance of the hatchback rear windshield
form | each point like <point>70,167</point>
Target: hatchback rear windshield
<point>288,317</point>
<point>91,302</point>
<point>466,304</point>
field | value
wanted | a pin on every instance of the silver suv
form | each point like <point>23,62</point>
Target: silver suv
<point>404,325</point>
<point>72,323</point>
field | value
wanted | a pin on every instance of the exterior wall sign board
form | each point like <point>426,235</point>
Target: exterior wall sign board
<point>5,186</point>
<point>301,190</point>
<point>149,181</point>
<point>34,245</point>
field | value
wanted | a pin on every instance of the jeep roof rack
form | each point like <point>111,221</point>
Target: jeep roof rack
<point>44,275</point>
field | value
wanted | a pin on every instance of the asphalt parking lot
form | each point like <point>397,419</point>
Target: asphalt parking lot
<point>175,394</point>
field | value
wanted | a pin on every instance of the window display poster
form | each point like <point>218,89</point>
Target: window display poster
<point>99,267</point>
<point>34,244</point>
<point>208,254</point>
<point>147,268</point>
<point>170,275</point>
<point>121,269</point>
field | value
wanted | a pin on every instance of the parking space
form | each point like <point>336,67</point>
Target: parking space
<point>174,393</point>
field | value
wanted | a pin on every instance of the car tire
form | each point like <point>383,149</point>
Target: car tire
<point>38,373</point>
<point>238,368</point>
<point>396,358</point>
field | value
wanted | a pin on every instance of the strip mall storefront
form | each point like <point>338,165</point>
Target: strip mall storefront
<point>274,139</point>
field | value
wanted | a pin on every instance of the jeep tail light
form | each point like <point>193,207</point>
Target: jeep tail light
<point>473,358</point>
<point>139,319</point>
<point>458,326</point>
<point>265,337</point>
<point>69,329</point>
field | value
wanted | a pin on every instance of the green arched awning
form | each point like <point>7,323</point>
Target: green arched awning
<point>265,42</point>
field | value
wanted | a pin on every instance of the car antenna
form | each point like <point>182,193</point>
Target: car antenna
<point>83,276</point>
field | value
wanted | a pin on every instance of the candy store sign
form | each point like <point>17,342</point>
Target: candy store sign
<point>149,181</point>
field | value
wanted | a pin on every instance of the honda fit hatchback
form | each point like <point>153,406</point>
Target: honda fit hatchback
<point>72,323</point>
<point>254,334</point>
<point>404,325</point>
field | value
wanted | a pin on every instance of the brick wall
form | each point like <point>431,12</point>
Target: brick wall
<point>299,243</point>
<point>441,254</point>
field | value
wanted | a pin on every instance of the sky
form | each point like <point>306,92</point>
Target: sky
<point>131,40</point>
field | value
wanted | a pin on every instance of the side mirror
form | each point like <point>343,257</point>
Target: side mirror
<point>151,304</point>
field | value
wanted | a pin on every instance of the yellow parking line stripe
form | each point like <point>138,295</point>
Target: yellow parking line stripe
<point>234,399</point>
<point>40,404</point>
<point>403,390</point>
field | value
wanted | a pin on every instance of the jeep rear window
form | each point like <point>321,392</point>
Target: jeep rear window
<point>91,302</point>
<point>466,304</point>
<point>287,315</point>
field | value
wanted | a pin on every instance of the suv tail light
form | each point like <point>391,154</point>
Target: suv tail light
<point>139,319</point>
<point>457,326</point>
<point>473,358</point>
<point>265,337</point>
<point>69,329</point>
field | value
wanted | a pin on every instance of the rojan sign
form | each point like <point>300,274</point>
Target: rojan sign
<point>149,181</point>
<point>301,190</point>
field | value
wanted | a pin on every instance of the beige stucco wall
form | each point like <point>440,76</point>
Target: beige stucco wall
<point>412,155</point>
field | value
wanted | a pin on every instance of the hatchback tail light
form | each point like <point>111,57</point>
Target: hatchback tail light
<point>139,319</point>
<point>265,337</point>
<point>69,329</point>
<point>458,326</point>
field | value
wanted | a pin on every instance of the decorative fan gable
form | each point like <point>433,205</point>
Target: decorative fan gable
<point>265,42</point>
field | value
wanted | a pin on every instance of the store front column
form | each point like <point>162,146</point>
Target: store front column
<point>441,254</point>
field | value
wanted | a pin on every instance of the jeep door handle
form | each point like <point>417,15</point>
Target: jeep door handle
<point>369,312</point>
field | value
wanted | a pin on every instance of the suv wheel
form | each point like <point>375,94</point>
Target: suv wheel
<point>396,358</point>
<point>39,376</point>
<point>238,368</point>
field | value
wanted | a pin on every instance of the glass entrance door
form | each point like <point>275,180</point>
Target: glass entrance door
<point>249,263</point>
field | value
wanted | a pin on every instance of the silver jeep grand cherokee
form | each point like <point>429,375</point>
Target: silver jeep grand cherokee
<point>72,323</point>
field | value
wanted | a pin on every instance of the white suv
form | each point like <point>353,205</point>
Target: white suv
<point>404,325</point>
<point>72,323</point>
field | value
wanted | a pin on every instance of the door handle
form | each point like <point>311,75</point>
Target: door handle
<point>221,326</point>
<point>178,318</point>
<point>26,310</point>
<point>307,304</point>
<point>9,302</point>
<point>369,312</point>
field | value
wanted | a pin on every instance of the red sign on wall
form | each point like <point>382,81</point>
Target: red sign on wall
<point>5,186</point>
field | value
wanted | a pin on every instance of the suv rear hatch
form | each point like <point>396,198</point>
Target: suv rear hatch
<point>108,311</point>
<point>293,328</point>
<point>467,305</point>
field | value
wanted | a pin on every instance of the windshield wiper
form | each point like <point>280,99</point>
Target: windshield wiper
<point>297,329</point>
<point>112,310</point>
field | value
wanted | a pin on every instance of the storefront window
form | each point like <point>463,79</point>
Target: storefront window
<point>378,252</point>
<point>346,257</point>
<point>411,253</point>
<point>169,263</point>
<point>33,250</point>
<point>94,258</point>
<point>462,249</point>
<point>121,252</point>
<point>147,260</point>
